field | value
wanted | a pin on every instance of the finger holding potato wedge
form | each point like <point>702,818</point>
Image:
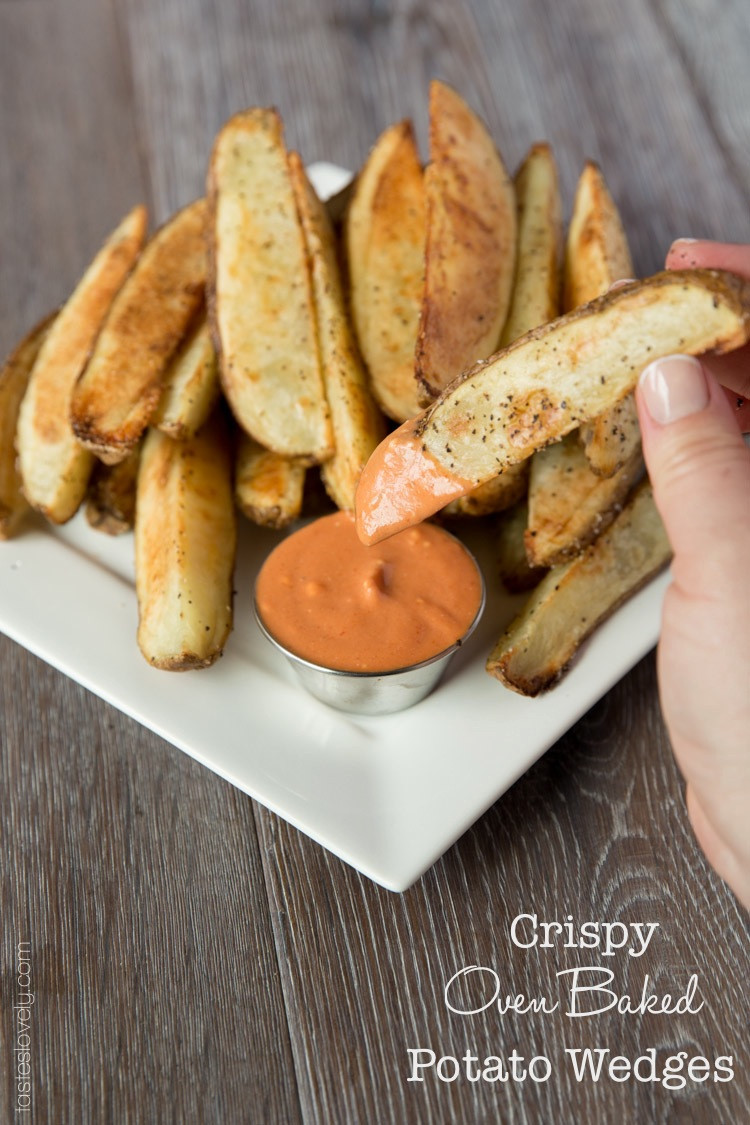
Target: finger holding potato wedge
<point>597,255</point>
<point>471,244</point>
<point>260,292</point>
<point>191,385</point>
<point>120,386</point>
<point>185,544</point>
<point>385,235</point>
<point>14,378</point>
<point>54,467</point>
<point>268,487</point>
<point>358,425</point>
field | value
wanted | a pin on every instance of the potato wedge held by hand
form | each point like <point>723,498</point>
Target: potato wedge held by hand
<point>569,371</point>
<point>358,425</point>
<point>120,386</point>
<point>597,255</point>
<point>574,598</point>
<point>54,467</point>
<point>385,234</point>
<point>260,292</point>
<point>191,385</point>
<point>471,244</point>
<point>14,378</point>
<point>185,543</point>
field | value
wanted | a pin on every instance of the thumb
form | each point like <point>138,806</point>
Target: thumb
<point>700,471</point>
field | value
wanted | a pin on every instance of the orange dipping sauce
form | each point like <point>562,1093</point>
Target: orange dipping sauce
<point>333,601</point>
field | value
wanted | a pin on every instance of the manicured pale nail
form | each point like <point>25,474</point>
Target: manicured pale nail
<point>674,387</point>
<point>684,241</point>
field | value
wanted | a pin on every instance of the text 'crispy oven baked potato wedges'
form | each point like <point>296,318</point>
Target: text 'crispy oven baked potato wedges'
<point>185,544</point>
<point>54,467</point>
<point>570,370</point>
<point>358,425</point>
<point>119,389</point>
<point>14,379</point>
<point>260,291</point>
<point>574,598</point>
<point>385,234</point>
<point>471,244</point>
<point>597,255</point>
<point>535,299</point>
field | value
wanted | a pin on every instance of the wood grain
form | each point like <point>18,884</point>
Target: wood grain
<point>195,958</point>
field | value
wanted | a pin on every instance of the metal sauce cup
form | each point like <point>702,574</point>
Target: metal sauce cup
<point>375,693</point>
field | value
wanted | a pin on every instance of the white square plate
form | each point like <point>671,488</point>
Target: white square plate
<point>389,795</point>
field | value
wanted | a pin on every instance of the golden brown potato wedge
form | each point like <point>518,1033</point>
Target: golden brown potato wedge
<point>191,385</point>
<point>268,487</point>
<point>260,291</point>
<point>596,252</point>
<point>110,500</point>
<point>569,505</point>
<point>535,299</point>
<point>119,389</point>
<point>471,244</point>
<point>14,378</point>
<point>385,234</point>
<point>597,255</point>
<point>513,564</point>
<point>54,467</point>
<point>569,603</point>
<point>535,296</point>
<point>358,425</point>
<point>185,542</point>
<point>569,371</point>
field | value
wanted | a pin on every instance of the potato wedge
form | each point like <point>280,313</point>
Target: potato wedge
<point>268,487</point>
<point>119,389</point>
<point>191,385</point>
<point>596,252</point>
<point>185,542</point>
<point>358,425</point>
<point>260,292</point>
<point>570,370</point>
<point>569,603</point>
<point>110,500</point>
<point>385,234</point>
<point>597,255</point>
<point>14,378</point>
<point>471,244</point>
<point>535,299</point>
<point>569,505</point>
<point>54,467</point>
<point>513,564</point>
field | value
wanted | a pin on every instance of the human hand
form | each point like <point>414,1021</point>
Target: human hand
<point>700,471</point>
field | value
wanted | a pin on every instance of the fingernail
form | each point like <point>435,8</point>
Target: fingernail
<point>619,284</point>
<point>684,241</point>
<point>674,387</point>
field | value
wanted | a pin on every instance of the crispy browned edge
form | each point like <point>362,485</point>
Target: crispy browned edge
<point>33,339</point>
<point>110,500</point>
<point>728,286</point>
<point>109,450</point>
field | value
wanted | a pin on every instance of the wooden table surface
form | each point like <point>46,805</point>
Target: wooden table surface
<point>194,958</point>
